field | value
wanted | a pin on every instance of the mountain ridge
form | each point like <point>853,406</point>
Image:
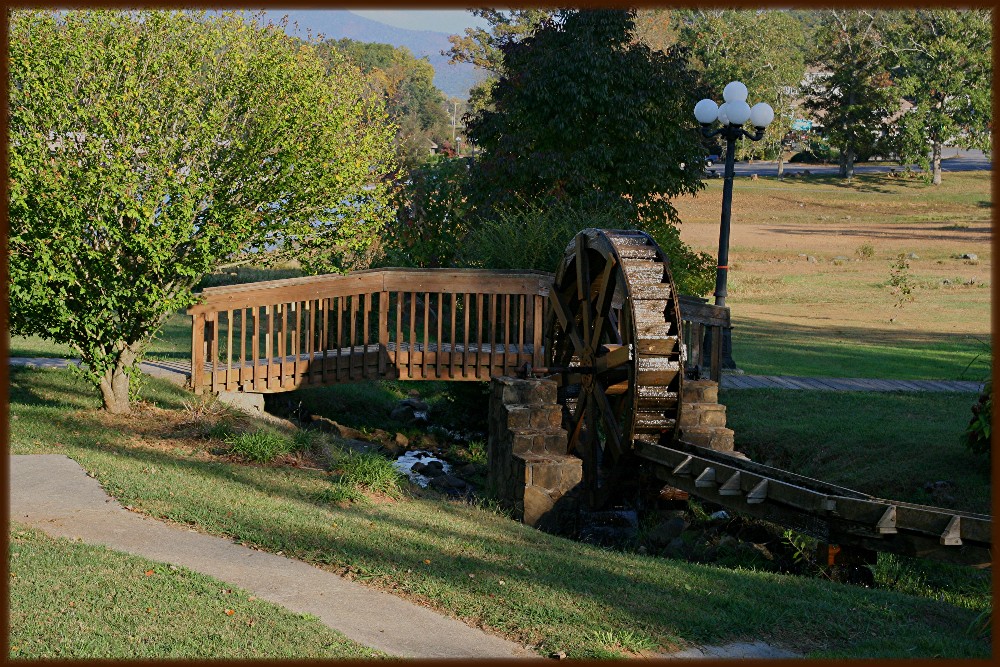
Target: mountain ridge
<point>453,80</point>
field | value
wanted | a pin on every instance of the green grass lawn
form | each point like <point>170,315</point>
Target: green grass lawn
<point>470,562</point>
<point>761,348</point>
<point>74,600</point>
<point>173,341</point>
<point>886,444</point>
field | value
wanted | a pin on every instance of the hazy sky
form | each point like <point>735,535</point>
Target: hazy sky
<point>451,21</point>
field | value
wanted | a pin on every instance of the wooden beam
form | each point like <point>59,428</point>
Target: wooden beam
<point>952,535</point>
<point>732,486</point>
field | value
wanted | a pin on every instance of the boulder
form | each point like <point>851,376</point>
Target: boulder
<point>665,532</point>
<point>330,426</point>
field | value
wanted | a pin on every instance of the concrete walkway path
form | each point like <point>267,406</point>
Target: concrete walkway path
<point>178,372</point>
<point>52,492</point>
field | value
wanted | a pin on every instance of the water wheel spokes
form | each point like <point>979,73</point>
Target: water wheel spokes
<point>611,335</point>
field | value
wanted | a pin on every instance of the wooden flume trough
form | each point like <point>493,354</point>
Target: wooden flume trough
<point>608,326</point>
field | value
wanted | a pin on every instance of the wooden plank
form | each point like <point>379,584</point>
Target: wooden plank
<point>399,329</point>
<point>706,478</point>
<point>708,314</point>
<point>536,323</point>
<point>952,534</point>
<point>758,493</point>
<point>197,351</point>
<point>366,336</point>
<point>684,467</point>
<point>383,330</point>
<point>887,523</point>
<point>277,291</point>
<point>212,326</point>
<point>440,338</point>
<point>731,486</point>
<point>492,323</point>
<point>324,336</point>
<point>484,282</point>
<point>522,315</point>
<point>506,331</point>
<point>479,331</point>
<point>243,345</point>
<point>229,350</point>
<point>427,324</point>
<point>340,332</point>
<point>413,330</point>
<point>268,345</point>
<point>716,369</point>
<point>452,337</point>
<point>255,342</point>
<point>657,346</point>
<point>466,304</point>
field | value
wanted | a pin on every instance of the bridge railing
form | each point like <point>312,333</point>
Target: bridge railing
<point>410,324</point>
<point>387,323</point>
<point>702,324</point>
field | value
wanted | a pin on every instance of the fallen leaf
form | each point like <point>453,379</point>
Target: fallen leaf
<point>150,573</point>
<point>252,598</point>
<point>230,612</point>
<point>427,561</point>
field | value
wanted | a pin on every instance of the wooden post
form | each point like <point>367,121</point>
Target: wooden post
<point>197,351</point>
<point>383,330</point>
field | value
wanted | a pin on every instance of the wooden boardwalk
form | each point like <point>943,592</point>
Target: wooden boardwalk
<point>846,384</point>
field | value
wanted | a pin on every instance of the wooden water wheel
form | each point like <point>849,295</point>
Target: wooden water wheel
<point>612,341</point>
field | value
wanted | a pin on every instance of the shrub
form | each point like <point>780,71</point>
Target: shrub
<point>370,471</point>
<point>977,434</point>
<point>865,251</point>
<point>430,216</point>
<point>901,281</point>
<point>261,446</point>
<point>534,234</point>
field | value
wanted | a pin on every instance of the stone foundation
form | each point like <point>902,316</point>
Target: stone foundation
<point>529,469</point>
<point>703,418</point>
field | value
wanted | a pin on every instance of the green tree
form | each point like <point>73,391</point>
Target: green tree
<point>148,147</point>
<point>763,49</point>
<point>483,47</point>
<point>944,69</point>
<point>854,93</point>
<point>584,112</point>
<point>412,100</point>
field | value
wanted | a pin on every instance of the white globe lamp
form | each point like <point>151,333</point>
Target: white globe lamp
<point>761,114</point>
<point>738,112</point>
<point>734,92</point>
<point>724,114</point>
<point>706,112</point>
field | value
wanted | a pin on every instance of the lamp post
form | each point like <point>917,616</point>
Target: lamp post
<point>732,115</point>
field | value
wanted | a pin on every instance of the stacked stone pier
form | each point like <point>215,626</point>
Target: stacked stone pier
<point>529,468</point>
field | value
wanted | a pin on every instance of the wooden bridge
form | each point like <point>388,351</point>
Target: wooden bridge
<point>407,324</point>
<point>620,338</point>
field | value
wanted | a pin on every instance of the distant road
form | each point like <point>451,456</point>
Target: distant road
<point>954,159</point>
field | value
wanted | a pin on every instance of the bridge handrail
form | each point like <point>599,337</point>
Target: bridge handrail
<point>449,281</point>
<point>702,322</point>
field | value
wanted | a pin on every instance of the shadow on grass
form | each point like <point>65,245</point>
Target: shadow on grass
<point>970,234</point>
<point>567,588</point>
<point>835,350</point>
<point>555,594</point>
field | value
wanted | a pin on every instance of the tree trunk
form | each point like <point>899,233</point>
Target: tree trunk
<point>843,163</point>
<point>936,162</point>
<point>781,163</point>
<point>115,385</point>
<point>849,163</point>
